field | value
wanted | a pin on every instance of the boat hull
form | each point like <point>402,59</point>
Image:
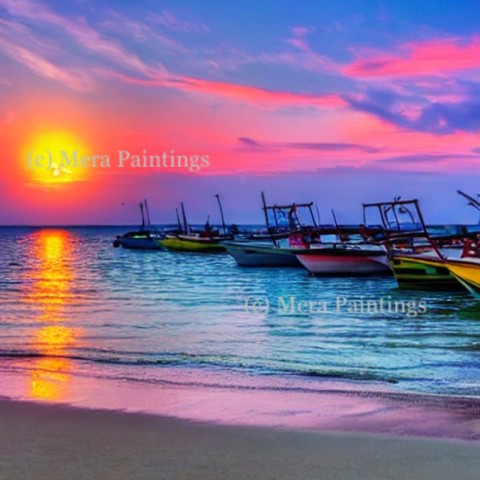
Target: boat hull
<point>420,273</point>
<point>251,255</point>
<point>140,244</point>
<point>335,262</point>
<point>467,273</point>
<point>178,244</point>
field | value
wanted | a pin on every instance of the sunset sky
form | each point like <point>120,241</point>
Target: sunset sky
<point>338,102</point>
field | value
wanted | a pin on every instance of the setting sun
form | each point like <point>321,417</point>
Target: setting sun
<point>54,157</point>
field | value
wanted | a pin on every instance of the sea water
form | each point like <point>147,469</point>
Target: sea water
<point>74,310</point>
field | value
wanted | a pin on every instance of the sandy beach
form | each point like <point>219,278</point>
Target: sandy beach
<point>57,442</point>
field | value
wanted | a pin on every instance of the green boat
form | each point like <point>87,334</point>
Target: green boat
<point>423,273</point>
<point>193,243</point>
<point>207,241</point>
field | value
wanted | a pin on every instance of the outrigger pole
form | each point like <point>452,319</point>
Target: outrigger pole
<point>473,202</point>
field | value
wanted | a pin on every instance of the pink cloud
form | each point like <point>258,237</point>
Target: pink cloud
<point>234,91</point>
<point>423,58</point>
<point>73,78</point>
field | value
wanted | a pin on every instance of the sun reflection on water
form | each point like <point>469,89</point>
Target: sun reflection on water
<point>51,291</point>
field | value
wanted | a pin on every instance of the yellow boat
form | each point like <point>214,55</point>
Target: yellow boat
<point>467,272</point>
<point>422,272</point>
<point>193,243</point>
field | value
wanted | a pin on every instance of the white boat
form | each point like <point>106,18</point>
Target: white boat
<point>345,260</point>
<point>261,254</point>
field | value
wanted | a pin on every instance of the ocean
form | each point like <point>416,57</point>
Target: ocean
<point>76,312</point>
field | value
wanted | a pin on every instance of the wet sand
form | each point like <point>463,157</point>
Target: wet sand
<point>56,442</point>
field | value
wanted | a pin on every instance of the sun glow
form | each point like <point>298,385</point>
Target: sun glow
<point>55,157</point>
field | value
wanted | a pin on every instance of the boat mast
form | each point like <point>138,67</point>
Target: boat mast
<point>187,229</point>
<point>179,225</point>
<point>339,232</point>
<point>143,216</point>
<point>265,211</point>
<point>147,212</point>
<point>221,212</point>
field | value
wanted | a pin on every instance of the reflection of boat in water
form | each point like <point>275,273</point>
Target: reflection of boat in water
<point>143,239</point>
<point>207,241</point>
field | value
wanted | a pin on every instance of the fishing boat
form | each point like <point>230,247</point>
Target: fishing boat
<point>278,247</point>
<point>338,256</point>
<point>194,242</point>
<point>261,254</point>
<point>207,241</point>
<point>418,257</point>
<point>422,272</point>
<point>467,272</point>
<point>143,239</point>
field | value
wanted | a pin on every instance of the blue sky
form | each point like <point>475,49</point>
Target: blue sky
<point>344,102</point>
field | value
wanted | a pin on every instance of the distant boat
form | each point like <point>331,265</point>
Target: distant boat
<point>194,242</point>
<point>206,241</point>
<point>143,239</point>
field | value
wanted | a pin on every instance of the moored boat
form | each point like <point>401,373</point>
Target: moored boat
<point>195,243</point>
<point>423,273</point>
<point>284,224</point>
<point>261,254</point>
<point>418,257</point>
<point>206,241</point>
<point>345,260</point>
<point>143,239</point>
<point>140,240</point>
<point>467,272</point>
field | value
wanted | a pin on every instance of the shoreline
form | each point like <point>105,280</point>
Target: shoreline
<point>331,406</point>
<point>58,441</point>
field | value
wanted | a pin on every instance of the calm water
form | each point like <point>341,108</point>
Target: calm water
<point>71,305</point>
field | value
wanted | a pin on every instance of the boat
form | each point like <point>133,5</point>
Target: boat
<point>144,239</point>
<point>278,247</point>
<point>194,242</point>
<point>421,272</point>
<point>261,254</point>
<point>343,258</point>
<point>205,241</point>
<point>467,272</point>
<point>417,256</point>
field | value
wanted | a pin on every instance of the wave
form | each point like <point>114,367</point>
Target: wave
<point>217,363</point>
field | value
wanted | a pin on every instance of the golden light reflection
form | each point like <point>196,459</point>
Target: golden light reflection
<point>51,292</point>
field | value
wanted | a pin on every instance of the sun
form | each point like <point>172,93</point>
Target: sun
<point>55,157</point>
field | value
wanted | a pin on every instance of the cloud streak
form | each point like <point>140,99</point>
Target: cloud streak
<point>422,58</point>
